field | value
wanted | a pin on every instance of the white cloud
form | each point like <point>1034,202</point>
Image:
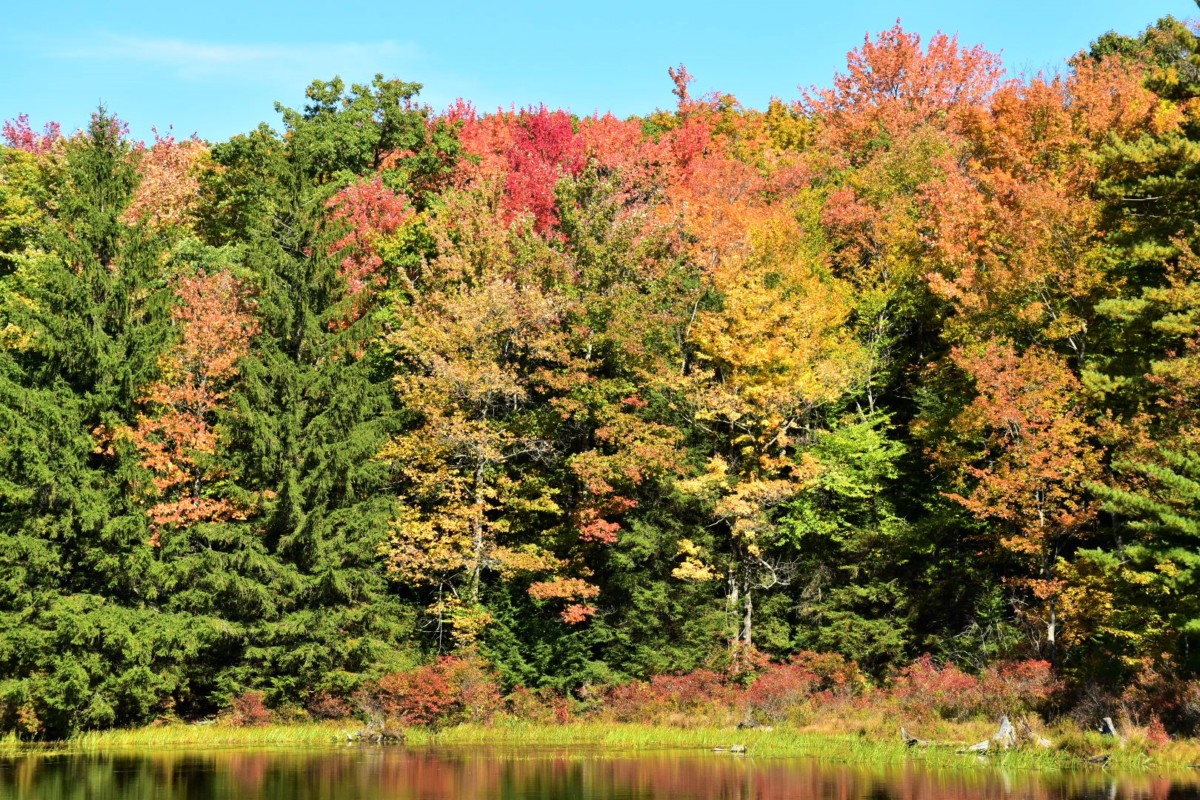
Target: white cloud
<point>199,61</point>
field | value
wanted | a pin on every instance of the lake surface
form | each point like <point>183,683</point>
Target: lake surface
<point>401,773</point>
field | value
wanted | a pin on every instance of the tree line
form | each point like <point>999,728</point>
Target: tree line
<point>908,365</point>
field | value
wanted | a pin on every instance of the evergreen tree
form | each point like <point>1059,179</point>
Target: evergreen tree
<point>85,315</point>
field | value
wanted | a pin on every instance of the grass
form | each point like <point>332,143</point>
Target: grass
<point>215,735</point>
<point>824,744</point>
<point>777,743</point>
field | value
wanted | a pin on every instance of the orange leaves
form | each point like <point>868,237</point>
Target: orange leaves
<point>169,191</point>
<point>176,439</point>
<point>567,589</point>
<point>892,86</point>
<point>216,324</point>
<point>1035,458</point>
<point>1011,254</point>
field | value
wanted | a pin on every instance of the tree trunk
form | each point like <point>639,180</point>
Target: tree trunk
<point>477,535</point>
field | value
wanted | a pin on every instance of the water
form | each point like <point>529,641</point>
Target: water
<point>400,773</point>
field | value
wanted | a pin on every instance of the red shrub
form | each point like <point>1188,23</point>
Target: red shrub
<point>631,702</point>
<point>541,705</point>
<point>249,710</point>
<point>326,705</point>
<point>1016,687</point>
<point>1156,694</point>
<point>925,689</point>
<point>453,689</point>
<point>475,686</point>
<point>1156,732</point>
<point>780,688</point>
<point>691,693</point>
<point>1013,688</point>
<point>420,697</point>
<point>838,675</point>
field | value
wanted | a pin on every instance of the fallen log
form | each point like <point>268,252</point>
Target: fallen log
<point>736,749</point>
<point>912,741</point>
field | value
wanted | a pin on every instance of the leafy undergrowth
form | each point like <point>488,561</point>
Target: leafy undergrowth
<point>814,705</point>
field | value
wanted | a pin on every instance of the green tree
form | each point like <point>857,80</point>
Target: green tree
<point>85,311</point>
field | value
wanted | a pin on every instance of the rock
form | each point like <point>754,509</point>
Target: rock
<point>911,740</point>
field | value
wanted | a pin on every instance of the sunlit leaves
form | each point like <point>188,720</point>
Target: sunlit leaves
<point>178,439</point>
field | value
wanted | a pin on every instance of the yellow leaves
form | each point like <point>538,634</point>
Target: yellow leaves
<point>693,567</point>
<point>1168,569</point>
<point>779,345</point>
<point>708,485</point>
<point>465,348</point>
<point>467,620</point>
<point>425,547</point>
<point>525,559</point>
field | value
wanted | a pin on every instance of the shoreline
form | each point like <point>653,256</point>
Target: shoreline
<point>784,742</point>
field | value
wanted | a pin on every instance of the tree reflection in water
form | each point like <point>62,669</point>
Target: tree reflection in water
<point>539,774</point>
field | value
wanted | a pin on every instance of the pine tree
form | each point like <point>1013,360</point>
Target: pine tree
<point>85,314</point>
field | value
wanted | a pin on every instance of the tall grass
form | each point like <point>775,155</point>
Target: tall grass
<point>592,737</point>
<point>216,735</point>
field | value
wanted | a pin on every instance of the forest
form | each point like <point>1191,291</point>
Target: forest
<point>903,374</point>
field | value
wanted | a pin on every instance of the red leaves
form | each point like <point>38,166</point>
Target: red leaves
<point>544,147</point>
<point>249,711</point>
<point>20,135</point>
<point>452,689</point>
<point>926,689</point>
<point>370,212</point>
<point>529,151</point>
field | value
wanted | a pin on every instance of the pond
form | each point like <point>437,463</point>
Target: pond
<point>538,774</point>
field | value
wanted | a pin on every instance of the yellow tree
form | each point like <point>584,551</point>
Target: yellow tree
<point>775,349</point>
<point>481,345</point>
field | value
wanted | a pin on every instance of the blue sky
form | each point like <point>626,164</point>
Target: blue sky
<point>216,68</point>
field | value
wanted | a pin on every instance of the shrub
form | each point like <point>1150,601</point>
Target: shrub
<point>1156,732</point>
<point>780,689</point>
<point>419,697</point>
<point>475,686</point>
<point>692,694</point>
<point>1016,687</point>
<point>541,705</point>
<point>1013,688</point>
<point>1155,694</point>
<point>249,710</point>
<point>326,705</point>
<point>924,689</point>
<point>452,689</point>
<point>630,702</point>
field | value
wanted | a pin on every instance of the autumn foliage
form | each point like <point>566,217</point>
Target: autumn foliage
<point>883,394</point>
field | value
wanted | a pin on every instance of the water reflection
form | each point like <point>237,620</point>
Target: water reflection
<point>565,774</point>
